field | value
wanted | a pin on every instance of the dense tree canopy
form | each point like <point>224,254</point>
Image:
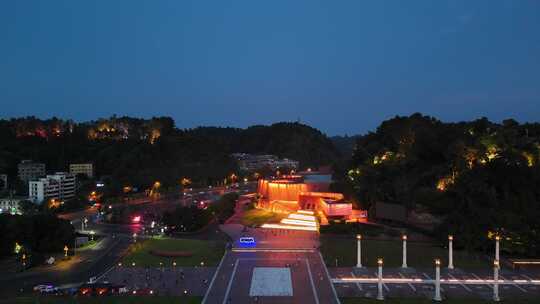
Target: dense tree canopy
<point>138,152</point>
<point>476,176</point>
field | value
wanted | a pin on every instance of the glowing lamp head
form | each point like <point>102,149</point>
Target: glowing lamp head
<point>174,264</point>
<point>437,262</point>
<point>119,264</point>
<point>496,263</point>
<point>404,237</point>
<point>133,264</point>
<point>358,236</point>
<point>497,238</point>
<point>450,237</point>
<point>379,261</point>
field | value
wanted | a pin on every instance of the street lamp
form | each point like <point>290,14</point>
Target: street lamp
<point>450,252</point>
<point>497,239</point>
<point>496,267</point>
<point>404,238</point>
<point>380,296</point>
<point>65,250</point>
<point>359,251</point>
<point>92,235</point>
<point>134,237</point>
<point>437,296</point>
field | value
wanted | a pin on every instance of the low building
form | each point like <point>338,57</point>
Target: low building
<point>60,186</point>
<point>86,169</point>
<point>11,205</point>
<point>29,170</point>
<point>291,193</point>
<point>3,181</point>
<point>251,162</point>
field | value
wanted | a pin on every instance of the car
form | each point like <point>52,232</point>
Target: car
<point>41,286</point>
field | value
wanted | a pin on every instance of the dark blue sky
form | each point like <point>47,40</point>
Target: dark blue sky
<point>340,66</point>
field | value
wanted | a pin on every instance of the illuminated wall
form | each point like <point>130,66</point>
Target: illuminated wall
<point>331,208</point>
<point>281,190</point>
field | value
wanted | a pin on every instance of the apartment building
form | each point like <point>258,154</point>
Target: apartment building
<point>60,185</point>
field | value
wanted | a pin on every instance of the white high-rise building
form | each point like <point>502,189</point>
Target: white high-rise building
<point>59,186</point>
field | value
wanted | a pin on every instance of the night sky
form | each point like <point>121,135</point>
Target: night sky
<point>340,66</point>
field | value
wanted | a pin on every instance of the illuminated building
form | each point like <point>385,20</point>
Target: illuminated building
<point>306,191</point>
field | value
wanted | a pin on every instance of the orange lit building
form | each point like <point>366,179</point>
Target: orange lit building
<point>308,191</point>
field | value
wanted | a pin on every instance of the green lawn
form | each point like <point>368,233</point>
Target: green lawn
<point>429,301</point>
<point>209,252</point>
<point>105,300</point>
<point>418,254</point>
<point>257,217</point>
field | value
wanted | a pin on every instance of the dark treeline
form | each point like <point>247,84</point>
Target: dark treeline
<point>138,152</point>
<point>37,235</point>
<point>477,178</point>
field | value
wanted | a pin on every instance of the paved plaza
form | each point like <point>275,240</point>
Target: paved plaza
<point>309,282</point>
<point>465,285</point>
<point>271,281</point>
<point>162,281</point>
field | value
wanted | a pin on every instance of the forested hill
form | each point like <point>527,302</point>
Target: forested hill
<point>138,151</point>
<point>475,176</point>
<point>345,144</point>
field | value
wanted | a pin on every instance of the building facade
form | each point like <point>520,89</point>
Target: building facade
<point>308,191</point>
<point>60,186</point>
<point>29,170</point>
<point>251,162</point>
<point>86,169</point>
<point>11,205</point>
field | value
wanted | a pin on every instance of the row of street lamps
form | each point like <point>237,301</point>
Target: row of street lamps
<point>437,295</point>
<point>404,255</point>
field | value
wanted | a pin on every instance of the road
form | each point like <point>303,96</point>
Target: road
<point>90,263</point>
<point>87,264</point>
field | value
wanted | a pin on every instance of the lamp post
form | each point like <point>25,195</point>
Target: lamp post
<point>359,250</point>
<point>404,238</point>
<point>437,296</point>
<point>379,280</point>
<point>92,235</point>
<point>65,250</point>
<point>134,237</point>
<point>497,239</point>
<point>450,252</point>
<point>496,281</point>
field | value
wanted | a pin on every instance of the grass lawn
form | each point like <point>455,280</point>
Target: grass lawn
<point>105,300</point>
<point>429,301</point>
<point>209,252</point>
<point>418,254</point>
<point>257,217</point>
